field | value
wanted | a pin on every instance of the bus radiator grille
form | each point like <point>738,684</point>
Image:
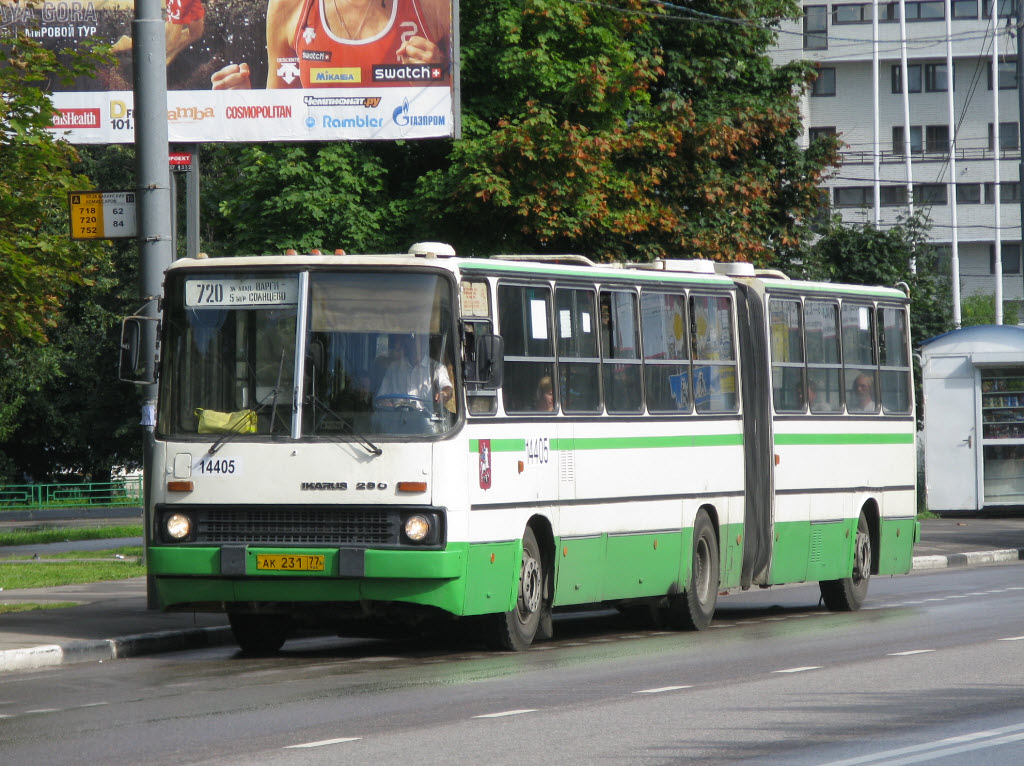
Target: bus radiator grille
<point>306,526</point>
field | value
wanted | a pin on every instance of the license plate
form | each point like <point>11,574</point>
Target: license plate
<point>283,563</point>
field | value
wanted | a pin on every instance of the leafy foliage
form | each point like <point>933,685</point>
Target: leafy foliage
<point>981,309</point>
<point>39,264</point>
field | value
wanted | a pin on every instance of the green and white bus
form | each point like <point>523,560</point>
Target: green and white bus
<point>643,436</point>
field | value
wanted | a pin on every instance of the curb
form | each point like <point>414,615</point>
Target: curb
<point>976,558</point>
<point>113,648</point>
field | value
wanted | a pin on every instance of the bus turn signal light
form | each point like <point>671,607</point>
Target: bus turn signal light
<point>180,486</point>
<point>412,486</point>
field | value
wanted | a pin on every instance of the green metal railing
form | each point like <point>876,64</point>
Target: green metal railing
<point>122,493</point>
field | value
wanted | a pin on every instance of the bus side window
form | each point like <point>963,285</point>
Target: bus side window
<point>859,360</point>
<point>785,326</point>
<point>894,360</point>
<point>524,321</point>
<point>714,354</point>
<point>824,368</point>
<point>578,356</point>
<point>620,350</point>
<point>666,357</point>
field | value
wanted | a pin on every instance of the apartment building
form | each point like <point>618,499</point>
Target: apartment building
<point>957,188</point>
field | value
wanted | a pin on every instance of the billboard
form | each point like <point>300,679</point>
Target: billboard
<point>261,70</point>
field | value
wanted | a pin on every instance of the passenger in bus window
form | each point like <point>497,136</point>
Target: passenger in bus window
<point>413,376</point>
<point>862,396</point>
<point>545,395</point>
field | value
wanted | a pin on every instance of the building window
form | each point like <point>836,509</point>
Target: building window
<point>815,27</point>
<point>936,139</point>
<point>925,10</point>
<point>1007,8</point>
<point>930,194</point>
<point>825,83</point>
<point>814,134</point>
<point>913,82</point>
<point>968,194</point>
<point>891,196</point>
<point>935,80</point>
<point>965,9</point>
<point>1009,191</point>
<point>1011,257</point>
<point>853,196</point>
<point>916,145</point>
<point>1009,136</point>
<point>1007,74</point>
<point>856,13</point>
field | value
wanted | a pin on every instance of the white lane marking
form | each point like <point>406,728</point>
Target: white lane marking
<point>938,749</point>
<point>909,652</point>
<point>94,704</point>
<point>798,670</point>
<point>662,689</point>
<point>43,710</point>
<point>506,713</point>
<point>1014,638</point>
<point>323,743</point>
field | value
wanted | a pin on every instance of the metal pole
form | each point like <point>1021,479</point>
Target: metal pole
<point>153,196</point>
<point>996,152</point>
<point>1020,120</point>
<point>192,206</point>
<point>954,242</point>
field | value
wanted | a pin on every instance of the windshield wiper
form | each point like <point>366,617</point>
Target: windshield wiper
<point>357,437</point>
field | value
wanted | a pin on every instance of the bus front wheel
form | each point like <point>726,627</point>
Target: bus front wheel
<point>259,634</point>
<point>848,593</point>
<point>515,630</point>
<point>693,608</point>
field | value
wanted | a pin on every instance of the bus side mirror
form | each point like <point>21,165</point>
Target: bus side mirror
<point>131,364</point>
<point>490,353</point>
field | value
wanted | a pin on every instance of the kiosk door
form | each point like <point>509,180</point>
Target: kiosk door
<point>951,434</point>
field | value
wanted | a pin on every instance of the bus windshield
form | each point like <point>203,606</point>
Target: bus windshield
<point>379,357</point>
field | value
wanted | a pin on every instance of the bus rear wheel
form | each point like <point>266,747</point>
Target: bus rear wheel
<point>515,630</point>
<point>259,634</point>
<point>693,608</point>
<point>848,594</point>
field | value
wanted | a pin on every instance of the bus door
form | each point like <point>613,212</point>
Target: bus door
<point>759,494</point>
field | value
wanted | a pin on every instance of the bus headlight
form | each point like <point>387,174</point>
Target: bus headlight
<point>417,528</point>
<point>177,526</point>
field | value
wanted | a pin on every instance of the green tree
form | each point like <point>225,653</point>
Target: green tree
<point>981,309</point>
<point>39,264</point>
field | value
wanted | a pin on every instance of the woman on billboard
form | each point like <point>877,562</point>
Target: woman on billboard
<point>351,44</point>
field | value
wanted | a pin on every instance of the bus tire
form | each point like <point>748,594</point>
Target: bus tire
<point>694,608</point>
<point>515,630</point>
<point>259,634</point>
<point>848,593</point>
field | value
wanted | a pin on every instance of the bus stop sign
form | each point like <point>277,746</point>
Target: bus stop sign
<point>102,215</point>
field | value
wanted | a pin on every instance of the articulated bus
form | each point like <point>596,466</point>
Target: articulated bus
<point>643,436</point>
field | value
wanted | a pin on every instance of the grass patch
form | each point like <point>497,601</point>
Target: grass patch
<point>28,607</point>
<point>41,535</point>
<point>47,575</point>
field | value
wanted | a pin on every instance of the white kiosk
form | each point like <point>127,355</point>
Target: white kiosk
<point>973,386</point>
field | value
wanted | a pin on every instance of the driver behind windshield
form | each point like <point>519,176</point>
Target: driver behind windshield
<point>412,378</point>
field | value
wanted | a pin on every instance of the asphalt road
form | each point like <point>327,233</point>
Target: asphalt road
<point>933,664</point>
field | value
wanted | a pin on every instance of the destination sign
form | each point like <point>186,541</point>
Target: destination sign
<point>244,292</point>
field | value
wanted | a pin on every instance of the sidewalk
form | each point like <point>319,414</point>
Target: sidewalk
<point>111,620</point>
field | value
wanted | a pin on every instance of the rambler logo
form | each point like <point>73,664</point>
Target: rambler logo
<point>76,118</point>
<point>190,114</point>
<point>334,75</point>
<point>403,119</point>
